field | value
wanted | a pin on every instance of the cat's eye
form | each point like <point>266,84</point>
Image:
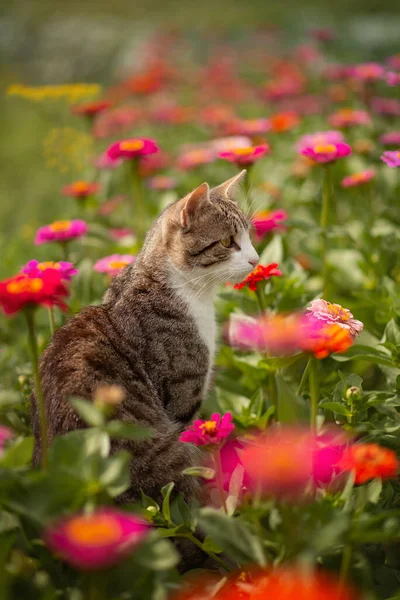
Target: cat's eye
<point>227,242</point>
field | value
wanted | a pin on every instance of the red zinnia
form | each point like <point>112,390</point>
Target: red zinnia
<point>260,273</point>
<point>22,291</point>
<point>368,461</point>
<point>90,109</point>
<point>80,189</point>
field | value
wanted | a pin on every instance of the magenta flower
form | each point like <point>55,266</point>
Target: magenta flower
<point>112,265</point>
<point>370,71</point>
<point>357,179</point>
<point>393,78</point>
<point>389,107</point>
<point>96,540</point>
<point>390,139</point>
<point>161,182</point>
<point>195,157</point>
<point>209,433</point>
<point>248,127</point>
<point>321,310</point>
<point>325,153</point>
<point>348,117</point>
<point>61,231</point>
<point>132,148</point>
<point>5,434</point>
<point>245,156</point>
<point>35,268</point>
<point>266,221</point>
<point>320,137</point>
<point>106,162</point>
<point>391,158</point>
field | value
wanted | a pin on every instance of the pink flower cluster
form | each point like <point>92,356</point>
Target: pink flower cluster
<point>209,433</point>
<point>112,265</point>
<point>34,268</point>
<point>61,231</point>
<point>326,153</point>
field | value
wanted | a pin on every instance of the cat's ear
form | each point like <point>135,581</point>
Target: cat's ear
<point>192,203</point>
<point>228,188</point>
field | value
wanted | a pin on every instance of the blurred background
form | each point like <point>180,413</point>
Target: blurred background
<point>48,42</point>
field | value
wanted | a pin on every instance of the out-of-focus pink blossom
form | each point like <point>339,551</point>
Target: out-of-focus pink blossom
<point>391,138</point>
<point>324,34</point>
<point>394,62</point>
<point>115,122</point>
<point>161,182</point>
<point>245,156</point>
<point>112,265</point>
<point>359,178</point>
<point>348,117</point>
<point>393,78</point>
<point>325,153</point>
<point>132,148</point>
<point>248,127</point>
<point>209,433</point>
<point>120,234</point>
<point>391,158</point>
<point>389,107</point>
<point>320,137</point>
<point>34,268</point>
<point>5,434</point>
<point>266,221</point>
<point>370,71</point>
<point>61,231</point>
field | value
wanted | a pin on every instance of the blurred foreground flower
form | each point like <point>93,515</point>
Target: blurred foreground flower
<point>80,189</point>
<point>266,221</point>
<point>26,292</point>
<point>285,121</point>
<point>325,153</point>
<point>35,268</point>
<point>391,158</point>
<point>61,231</point>
<point>367,461</point>
<point>260,273</point>
<point>209,433</point>
<point>348,117</point>
<point>370,71</point>
<point>245,156</point>
<point>96,540</point>
<point>5,434</point>
<point>90,109</point>
<point>392,78</point>
<point>390,139</point>
<point>132,148</point>
<point>112,265</point>
<point>357,179</point>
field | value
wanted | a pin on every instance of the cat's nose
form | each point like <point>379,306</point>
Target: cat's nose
<point>254,260</point>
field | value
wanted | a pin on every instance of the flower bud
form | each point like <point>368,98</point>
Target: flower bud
<point>108,397</point>
<point>353,394</point>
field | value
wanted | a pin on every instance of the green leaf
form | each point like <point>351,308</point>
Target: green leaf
<point>166,492</point>
<point>336,407</point>
<point>115,476</point>
<point>392,333</point>
<point>374,490</point>
<point>19,454</point>
<point>148,502</point>
<point>88,412</point>
<point>290,406</point>
<point>128,431</point>
<point>157,554</point>
<point>232,536</point>
<point>358,351</point>
<point>203,472</point>
<point>273,252</point>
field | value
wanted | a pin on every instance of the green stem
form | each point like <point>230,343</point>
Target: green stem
<point>219,477</point>
<point>327,199</point>
<point>50,312</point>
<point>314,392</point>
<point>346,563</point>
<point>260,300</point>
<point>138,199</point>
<point>94,588</point>
<point>273,395</point>
<point>304,377</point>
<point>200,545</point>
<point>64,250</point>
<point>30,319</point>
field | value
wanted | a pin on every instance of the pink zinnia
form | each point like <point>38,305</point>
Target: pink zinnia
<point>391,158</point>
<point>334,314</point>
<point>248,127</point>
<point>348,117</point>
<point>5,434</point>
<point>276,334</point>
<point>162,182</point>
<point>132,148</point>
<point>245,156</point>
<point>266,221</point>
<point>61,231</point>
<point>112,265</point>
<point>34,268</point>
<point>96,540</point>
<point>325,153</point>
<point>389,107</point>
<point>393,78</point>
<point>320,137</point>
<point>368,71</point>
<point>357,179</point>
<point>209,433</point>
<point>390,139</point>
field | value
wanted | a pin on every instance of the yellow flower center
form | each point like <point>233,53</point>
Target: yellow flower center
<point>60,225</point>
<point>93,530</point>
<point>346,112</point>
<point>398,154</point>
<point>48,265</point>
<point>80,186</point>
<point>198,155</point>
<point>244,151</point>
<point>357,177</point>
<point>262,214</point>
<point>118,264</point>
<point>25,285</point>
<point>209,427</point>
<point>132,145</point>
<point>324,149</point>
<point>337,311</point>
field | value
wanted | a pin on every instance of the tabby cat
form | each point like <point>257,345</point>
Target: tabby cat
<point>154,336</point>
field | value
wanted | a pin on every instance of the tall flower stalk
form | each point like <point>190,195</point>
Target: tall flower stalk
<point>138,199</point>
<point>327,206</point>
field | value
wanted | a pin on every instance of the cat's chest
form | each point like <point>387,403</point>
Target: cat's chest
<point>203,313</point>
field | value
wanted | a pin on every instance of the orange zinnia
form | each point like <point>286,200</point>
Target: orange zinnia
<point>368,461</point>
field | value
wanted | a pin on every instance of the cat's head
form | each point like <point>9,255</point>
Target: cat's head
<point>207,232</point>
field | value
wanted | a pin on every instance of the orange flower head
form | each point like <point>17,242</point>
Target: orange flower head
<point>260,273</point>
<point>285,121</point>
<point>368,461</point>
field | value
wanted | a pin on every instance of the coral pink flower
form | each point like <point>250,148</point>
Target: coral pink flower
<point>321,339</point>
<point>106,162</point>
<point>368,71</point>
<point>34,268</point>
<point>245,156</point>
<point>162,182</point>
<point>266,221</point>
<point>80,189</point>
<point>284,121</point>
<point>109,206</point>
<point>389,107</point>
<point>112,265</point>
<point>248,127</point>
<point>120,234</point>
<point>321,310</point>
<point>392,78</point>
<point>190,159</point>
<point>276,334</point>
<point>347,117</point>
<point>132,148</point>
<point>357,179</point>
<point>260,273</point>
<point>96,540</point>
<point>320,137</point>
<point>115,122</point>
<point>61,231</point>
<point>367,461</point>
<point>391,158</point>
<point>24,291</point>
<point>390,139</point>
<point>153,163</point>
<point>209,433</point>
<point>5,434</point>
<point>91,109</point>
<point>325,153</point>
